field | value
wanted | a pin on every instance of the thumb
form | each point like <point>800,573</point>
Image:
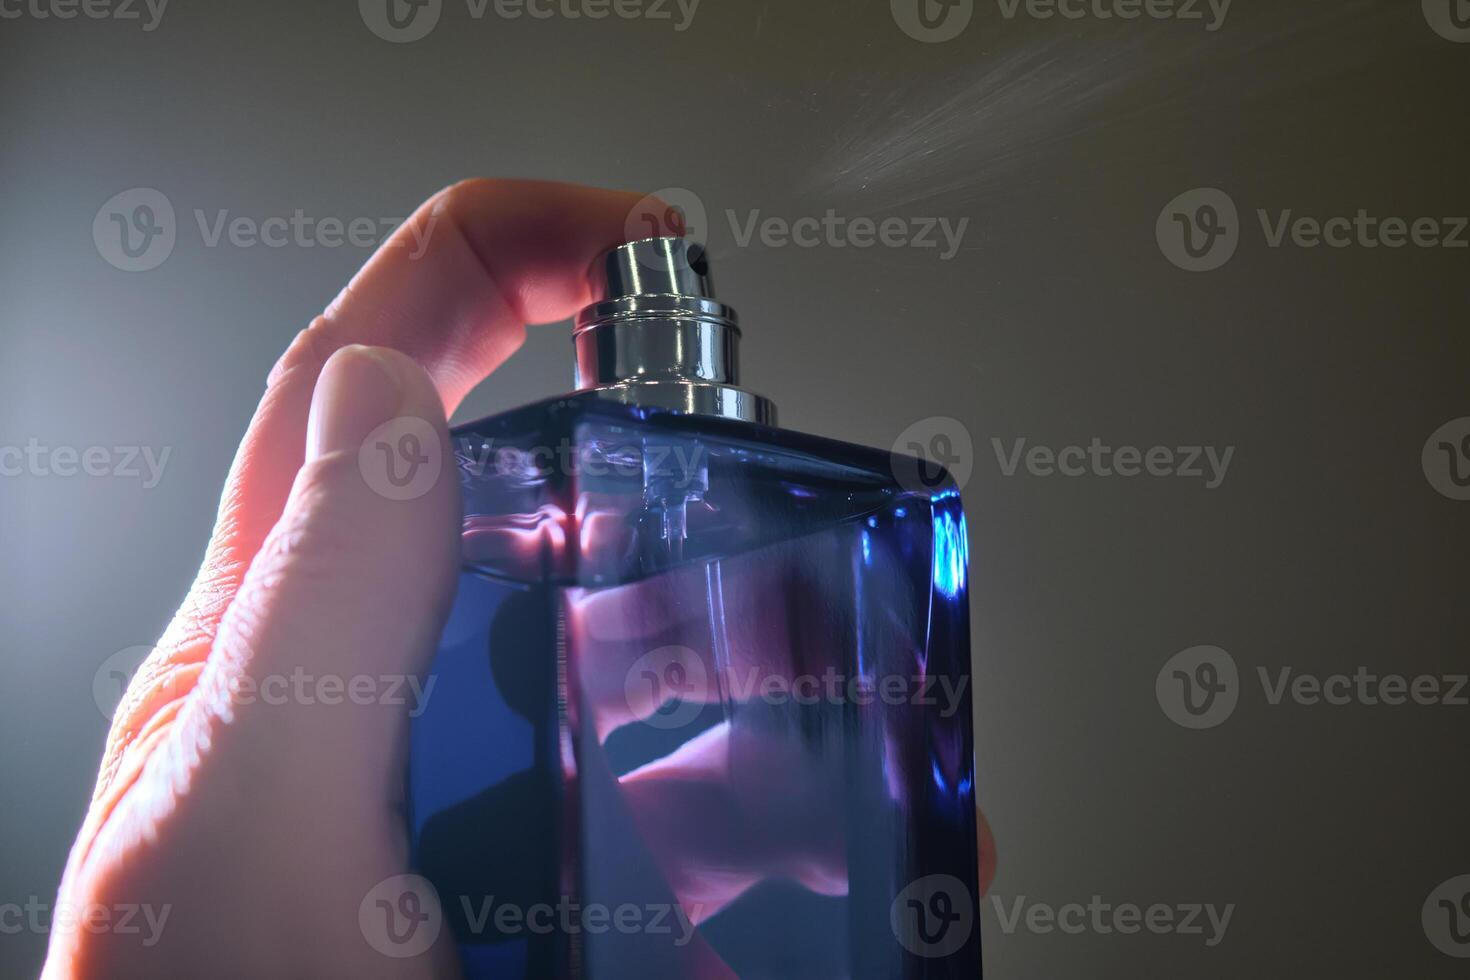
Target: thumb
<point>327,642</point>
<point>265,801</point>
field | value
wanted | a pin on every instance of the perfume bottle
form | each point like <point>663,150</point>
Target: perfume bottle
<point>702,705</point>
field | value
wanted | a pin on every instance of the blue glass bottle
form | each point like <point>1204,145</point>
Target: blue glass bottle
<point>702,706</point>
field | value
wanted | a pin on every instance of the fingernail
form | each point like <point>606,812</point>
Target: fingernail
<point>359,389</point>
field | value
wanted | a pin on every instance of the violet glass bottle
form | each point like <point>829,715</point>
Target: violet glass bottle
<point>702,706</point>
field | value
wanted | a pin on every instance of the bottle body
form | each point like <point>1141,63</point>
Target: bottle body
<point>702,706</point>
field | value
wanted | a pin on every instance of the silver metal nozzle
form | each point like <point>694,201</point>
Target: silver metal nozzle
<point>655,335</point>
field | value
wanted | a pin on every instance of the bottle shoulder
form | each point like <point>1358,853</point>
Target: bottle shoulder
<point>576,420</point>
<point>587,491</point>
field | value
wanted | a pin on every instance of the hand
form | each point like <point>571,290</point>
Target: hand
<point>261,826</point>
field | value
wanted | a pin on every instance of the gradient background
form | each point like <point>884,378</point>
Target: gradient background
<point>1325,549</point>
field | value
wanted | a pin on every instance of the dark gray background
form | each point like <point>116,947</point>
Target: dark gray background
<point>1325,548</point>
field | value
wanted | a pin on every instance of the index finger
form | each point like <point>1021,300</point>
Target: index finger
<point>454,288</point>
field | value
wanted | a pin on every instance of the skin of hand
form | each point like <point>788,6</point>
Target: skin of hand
<point>261,824</point>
